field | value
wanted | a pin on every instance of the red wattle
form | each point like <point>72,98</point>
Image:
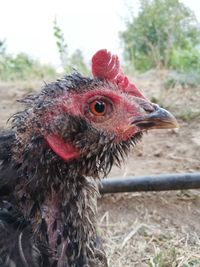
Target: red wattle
<point>62,149</point>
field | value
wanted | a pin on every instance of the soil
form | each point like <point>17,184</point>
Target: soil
<point>157,229</point>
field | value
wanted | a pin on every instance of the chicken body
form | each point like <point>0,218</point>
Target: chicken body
<point>68,136</point>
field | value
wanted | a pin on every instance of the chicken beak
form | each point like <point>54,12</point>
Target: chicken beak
<point>158,119</point>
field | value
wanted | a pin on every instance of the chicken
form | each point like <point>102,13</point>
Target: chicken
<point>67,137</point>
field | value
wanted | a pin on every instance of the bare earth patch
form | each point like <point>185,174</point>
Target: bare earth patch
<point>148,229</point>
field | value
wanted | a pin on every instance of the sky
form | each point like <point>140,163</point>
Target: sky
<point>89,25</point>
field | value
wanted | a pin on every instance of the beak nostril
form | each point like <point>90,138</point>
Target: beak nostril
<point>157,118</point>
<point>149,108</point>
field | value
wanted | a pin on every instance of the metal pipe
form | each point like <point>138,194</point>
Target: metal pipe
<point>151,183</point>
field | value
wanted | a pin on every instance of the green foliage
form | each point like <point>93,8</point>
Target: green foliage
<point>185,60</point>
<point>61,44</point>
<point>159,34</point>
<point>164,258</point>
<point>22,67</point>
<point>76,60</point>
<point>2,47</point>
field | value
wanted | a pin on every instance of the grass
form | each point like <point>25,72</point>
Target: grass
<point>141,245</point>
<point>154,238</point>
<point>180,97</point>
<point>188,79</point>
<point>164,258</point>
<point>188,114</point>
<point>23,68</point>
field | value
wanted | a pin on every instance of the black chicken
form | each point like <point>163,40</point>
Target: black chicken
<point>68,136</point>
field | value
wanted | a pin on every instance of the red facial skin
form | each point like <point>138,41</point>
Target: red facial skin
<point>124,102</point>
<point>122,109</point>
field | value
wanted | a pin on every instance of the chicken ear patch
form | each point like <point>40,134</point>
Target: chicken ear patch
<point>64,150</point>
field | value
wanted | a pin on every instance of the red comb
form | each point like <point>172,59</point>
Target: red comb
<point>107,66</point>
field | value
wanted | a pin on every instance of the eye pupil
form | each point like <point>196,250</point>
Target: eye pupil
<point>99,107</point>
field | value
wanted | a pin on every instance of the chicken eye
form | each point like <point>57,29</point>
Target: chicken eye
<point>98,107</point>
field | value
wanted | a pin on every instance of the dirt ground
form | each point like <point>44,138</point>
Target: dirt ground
<point>148,229</point>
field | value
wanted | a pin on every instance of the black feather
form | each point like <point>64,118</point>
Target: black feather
<point>48,206</point>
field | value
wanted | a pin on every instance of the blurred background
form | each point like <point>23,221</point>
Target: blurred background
<point>158,42</point>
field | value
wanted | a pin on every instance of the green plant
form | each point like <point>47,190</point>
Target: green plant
<point>187,59</point>
<point>61,44</point>
<point>76,60</point>
<point>161,29</point>
<point>2,47</point>
<point>164,258</point>
<point>22,67</point>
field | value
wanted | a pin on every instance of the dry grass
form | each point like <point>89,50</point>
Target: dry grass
<point>153,238</point>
